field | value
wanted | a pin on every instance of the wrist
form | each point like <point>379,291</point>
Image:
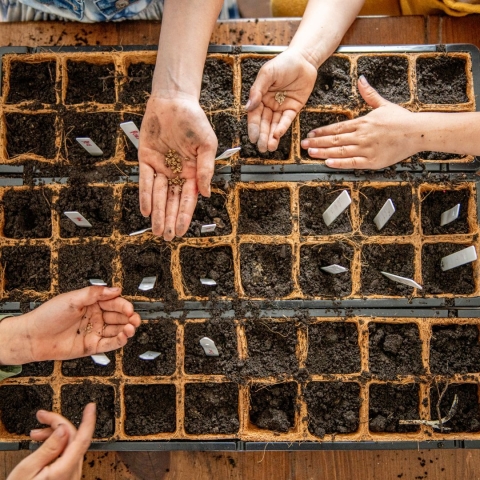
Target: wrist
<point>12,348</point>
<point>315,59</point>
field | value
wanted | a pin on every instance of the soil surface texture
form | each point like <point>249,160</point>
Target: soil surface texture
<point>88,82</point>
<point>217,85</point>
<point>131,152</point>
<point>373,199</point>
<point>132,220</point>
<point>458,280</point>
<point>150,409</point>
<point>226,128</point>
<point>396,259</point>
<point>391,403</point>
<point>272,407</point>
<point>27,213</point>
<point>436,156</point>
<point>249,70</point>
<point>317,283</point>
<point>138,85</point>
<point>36,369</point>
<point>76,397</point>
<point>32,82</point>
<point>211,408</point>
<point>86,367</point>
<point>333,407</point>
<point>266,270</point>
<point>333,348</point>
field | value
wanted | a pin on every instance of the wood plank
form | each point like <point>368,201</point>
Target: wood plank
<point>461,30</point>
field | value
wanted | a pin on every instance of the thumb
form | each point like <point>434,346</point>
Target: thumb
<point>90,295</point>
<point>369,94</point>
<point>260,87</point>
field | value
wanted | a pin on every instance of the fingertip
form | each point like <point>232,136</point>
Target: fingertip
<point>363,81</point>
<point>330,163</point>
<point>313,152</point>
<point>304,144</point>
<point>253,132</point>
<point>129,330</point>
<point>311,134</point>
<point>135,320</point>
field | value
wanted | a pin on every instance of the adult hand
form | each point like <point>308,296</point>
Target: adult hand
<point>381,138</point>
<point>61,456</point>
<point>174,122</point>
<point>293,74</point>
<point>75,324</point>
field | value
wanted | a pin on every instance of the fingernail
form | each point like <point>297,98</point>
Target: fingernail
<point>35,430</point>
<point>146,216</point>
<point>247,106</point>
<point>329,163</point>
<point>304,143</point>
<point>312,151</point>
<point>311,134</point>
<point>363,80</point>
<point>113,289</point>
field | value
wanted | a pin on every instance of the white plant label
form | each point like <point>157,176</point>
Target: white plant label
<point>132,132</point>
<point>450,215</point>
<point>90,146</point>
<point>209,347</point>
<point>208,228</point>
<point>228,153</point>
<point>97,282</point>
<point>336,208</point>
<point>148,283</point>
<point>149,355</point>
<point>78,219</point>
<point>139,232</point>
<point>405,281</point>
<point>101,359</point>
<point>208,282</point>
<point>456,259</point>
<point>384,215</point>
<point>334,269</point>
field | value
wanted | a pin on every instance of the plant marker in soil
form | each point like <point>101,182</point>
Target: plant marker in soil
<point>100,359</point>
<point>334,269</point>
<point>148,283</point>
<point>450,215</point>
<point>403,280</point>
<point>384,215</point>
<point>208,228</point>
<point>97,282</point>
<point>78,219</point>
<point>336,208</point>
<point>139,232</point>
<point>456,259</point>
<point>228,153</point>
<point>209,347</point>
<point>90,146</point>
<point>208,282</point>
<point>149,355</point>
<point>132,132</point>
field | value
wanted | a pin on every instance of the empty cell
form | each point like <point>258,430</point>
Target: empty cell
<point>390,403</point>
<point>76,397</point>
<point>333,407</point>
<point>132,220</point>
<point>86,367</point>
<point>36,369</point>
<point>265,212</point>
<point>150,409</point>
<point>138,84</point>
<point>272,407</point>
<point>217,85</point>
<point>211,408</point>
<point>226,128</point>
<point>32,82</point>
<point>266,270</point>
<point>394,350</point>
<point>333,348</point>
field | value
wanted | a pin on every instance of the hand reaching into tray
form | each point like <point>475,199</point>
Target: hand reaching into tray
<point>61,455</point>
<point>72,325</point>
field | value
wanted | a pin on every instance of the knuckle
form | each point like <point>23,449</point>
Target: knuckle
<point>354,162</point>
<point>338,128</point>
<point>342,151</point>
<point>336,139</point>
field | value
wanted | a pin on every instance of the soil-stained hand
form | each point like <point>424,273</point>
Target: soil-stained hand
<point>61,456</point>
<point>280,91</point>
<point>377,140</point>
<point>174,124</point>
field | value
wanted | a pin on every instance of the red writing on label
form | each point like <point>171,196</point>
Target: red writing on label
<point>87,143</point>
<point>135,134</point>
<point>79,219</point>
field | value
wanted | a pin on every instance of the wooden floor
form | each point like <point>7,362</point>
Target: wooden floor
<point>383,465</point>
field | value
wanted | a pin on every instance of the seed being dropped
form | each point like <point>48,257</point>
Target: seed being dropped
<point>173,161</point>
<point>172,182</point>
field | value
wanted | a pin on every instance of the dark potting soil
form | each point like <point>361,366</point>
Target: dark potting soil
<point>96,204</point>
<point>36,369</point>
<point>313,202</point>
<point>130,150</point>
<point>311,120</point>
<point>132,220</point>
<point>86,367</point>
<point>138,85</point>
<point>217,85</point>
<point>272,407</point>
<point>213,263</point>
<point>454,349</point>
<point>333,348</point>
<point>32,82</point>
<point>333,85</point>
<point>223,333</point>
<point>208,211</point>
<point>19,405</point>
<point>266,270</point>
<point>394,349</point>
<point>76,397</point>
<point>396,259</point>
<point>26,268</point>
<point>435,202</point>
<point>211,408</point>
<point>436,156</point>
<point>441,79</point>
<point>31,134</point>
<point>388,75</point>
<point>88,82</point>
<point>391,403</point>
<point>150,409</point>
<point>373,199</point>
<point>467,415</point>
<point>101,127</point>
<point>147,259</point>
<point>333,407</point>
<point>77,264</point>
<point>457,280</point>
<point>158,337</point>
<point>249,70</point>
<point>225,127</point>
<point>27,213</point>
<point>265,212</point>
<point>271,348</point>
<point>317,283</point>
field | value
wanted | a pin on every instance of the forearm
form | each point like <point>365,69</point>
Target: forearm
<point>185,34</point>
<point>323,26</point>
